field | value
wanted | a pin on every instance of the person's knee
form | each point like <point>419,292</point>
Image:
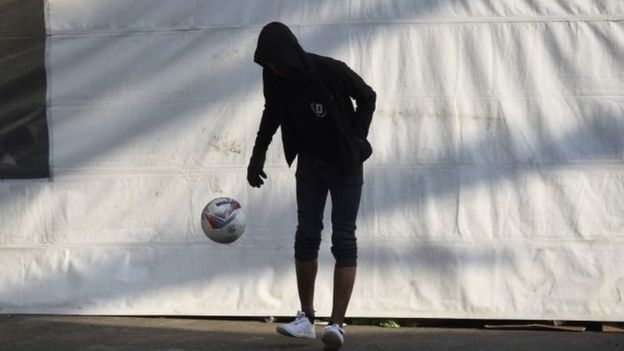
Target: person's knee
<point>344,248</point>
<point>307,243</point>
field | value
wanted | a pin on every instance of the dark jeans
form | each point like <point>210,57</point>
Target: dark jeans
<point>315,179</point>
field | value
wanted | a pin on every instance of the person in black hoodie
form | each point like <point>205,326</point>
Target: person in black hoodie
<point>310,97</point>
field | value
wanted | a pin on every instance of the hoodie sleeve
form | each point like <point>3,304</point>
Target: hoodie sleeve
<point>365,99</point>
<point>270,117</point>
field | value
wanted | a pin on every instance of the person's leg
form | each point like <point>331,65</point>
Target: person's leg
<point>344,279</point>
<point>345,206</point>
<point>306,276</point>
<point>311,198</point>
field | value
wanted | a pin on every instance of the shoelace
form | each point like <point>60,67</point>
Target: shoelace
<point>299,320</point>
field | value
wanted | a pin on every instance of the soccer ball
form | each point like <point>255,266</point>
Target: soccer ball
<point>223,220</point>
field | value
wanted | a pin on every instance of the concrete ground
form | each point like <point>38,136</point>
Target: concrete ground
<point>31,333</point>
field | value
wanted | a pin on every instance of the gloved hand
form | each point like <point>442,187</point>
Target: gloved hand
<point>255,172</point>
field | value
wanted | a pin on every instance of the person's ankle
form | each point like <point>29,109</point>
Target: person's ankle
<point>309,314</point>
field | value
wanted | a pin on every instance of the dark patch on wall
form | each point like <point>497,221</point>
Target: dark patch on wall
<point>24,143</point>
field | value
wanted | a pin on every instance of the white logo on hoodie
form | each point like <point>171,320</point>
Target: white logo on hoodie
<point>318,109</point>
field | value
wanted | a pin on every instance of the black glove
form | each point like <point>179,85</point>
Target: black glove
<point>255,173</point>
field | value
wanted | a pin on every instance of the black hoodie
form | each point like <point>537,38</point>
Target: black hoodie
<point>332,82</point>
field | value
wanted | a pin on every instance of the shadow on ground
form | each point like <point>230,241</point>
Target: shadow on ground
<point>31,333</point>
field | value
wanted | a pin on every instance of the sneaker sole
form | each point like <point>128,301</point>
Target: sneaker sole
<point>332,341</point>
<point>285,332</point>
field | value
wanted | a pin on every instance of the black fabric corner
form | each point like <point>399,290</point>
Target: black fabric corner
<point>24,141</point>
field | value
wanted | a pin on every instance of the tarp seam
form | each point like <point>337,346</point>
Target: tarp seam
<point>420,21</point>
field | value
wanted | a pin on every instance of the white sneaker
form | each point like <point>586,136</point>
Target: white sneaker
<point>301,327</point>
<point>333,337</point>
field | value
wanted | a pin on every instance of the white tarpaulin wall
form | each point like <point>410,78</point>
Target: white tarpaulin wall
<point>496,189</point>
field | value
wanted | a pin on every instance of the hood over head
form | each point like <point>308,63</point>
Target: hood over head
<point>278,45</point>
